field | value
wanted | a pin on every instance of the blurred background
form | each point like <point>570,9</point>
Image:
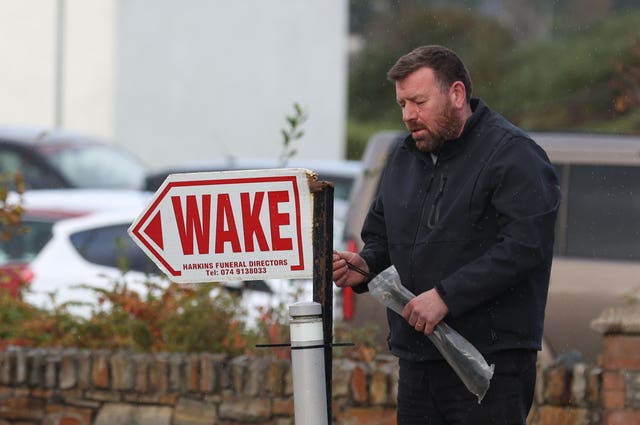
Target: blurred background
<point>178,81</point>
<point>116,94</point>
<point>174,81</point>
<point>545,65</point>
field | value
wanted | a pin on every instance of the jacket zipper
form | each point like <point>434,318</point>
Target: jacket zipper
<point>426,198</point>
<point>434,213</point>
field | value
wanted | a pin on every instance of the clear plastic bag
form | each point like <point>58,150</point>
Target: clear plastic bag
<point>461,355</point>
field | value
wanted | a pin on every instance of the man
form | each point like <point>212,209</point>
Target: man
<point>465,211</point>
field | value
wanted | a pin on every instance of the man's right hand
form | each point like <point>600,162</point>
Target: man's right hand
<point>343,276</point>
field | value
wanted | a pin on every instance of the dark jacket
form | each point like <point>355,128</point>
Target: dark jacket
<point>478,225</point>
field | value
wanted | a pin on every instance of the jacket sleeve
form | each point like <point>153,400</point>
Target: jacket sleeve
<point>525,197</point>
<point>375,251</point>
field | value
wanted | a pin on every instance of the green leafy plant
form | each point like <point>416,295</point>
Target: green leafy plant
<point>10,213</point>
<point>292,133</point>
<point>13,315</point>
<point>11,277</point>
<point>201,317</point>
<point>168,318</point>
<point>626,81</point>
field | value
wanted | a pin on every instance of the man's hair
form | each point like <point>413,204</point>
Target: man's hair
<point>446,65</point>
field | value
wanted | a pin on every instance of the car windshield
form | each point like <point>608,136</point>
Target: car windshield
<point>97,166</point>
<point>112,247</point>
<point>27,243</point>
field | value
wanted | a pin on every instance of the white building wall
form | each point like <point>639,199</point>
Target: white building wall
<point>89,79</point>
<point>30,54</point>
<point>27,42</point>
<point>180,80</point>
<point>202,79</point>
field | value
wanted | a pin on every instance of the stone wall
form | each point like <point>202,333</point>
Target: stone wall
<point>606,393</point>
<point>78,387</point>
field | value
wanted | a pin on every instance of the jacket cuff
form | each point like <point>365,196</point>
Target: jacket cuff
<point>440,289</point>
<point>361,288</point>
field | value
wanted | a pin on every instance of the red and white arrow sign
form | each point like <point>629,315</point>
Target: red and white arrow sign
<point>232,225</point>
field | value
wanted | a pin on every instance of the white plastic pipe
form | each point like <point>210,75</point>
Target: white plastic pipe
<point>307,363</point>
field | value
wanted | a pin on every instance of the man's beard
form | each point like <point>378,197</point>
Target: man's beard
<point>444,128</point>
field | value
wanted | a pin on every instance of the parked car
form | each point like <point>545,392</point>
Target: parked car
<point>79,236</point>
<point>340,172</point>
<point>72,237</point>
<point>62,159</point>
<point>597,249</point>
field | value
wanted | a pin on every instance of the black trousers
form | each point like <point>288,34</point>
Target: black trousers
<point>430,393</point>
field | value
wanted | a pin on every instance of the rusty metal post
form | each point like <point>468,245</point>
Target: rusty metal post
<point>323,271</point>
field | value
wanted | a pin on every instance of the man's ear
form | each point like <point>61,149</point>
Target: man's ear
<point>458,94</point>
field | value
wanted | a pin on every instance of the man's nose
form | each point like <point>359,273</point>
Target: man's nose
<point>408,112</point>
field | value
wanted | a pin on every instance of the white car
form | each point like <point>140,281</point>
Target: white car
<point>79,237</point>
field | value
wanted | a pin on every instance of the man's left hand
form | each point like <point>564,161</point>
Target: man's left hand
<point>425,311</point>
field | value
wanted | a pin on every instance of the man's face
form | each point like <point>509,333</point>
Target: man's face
<point>427,110</point>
